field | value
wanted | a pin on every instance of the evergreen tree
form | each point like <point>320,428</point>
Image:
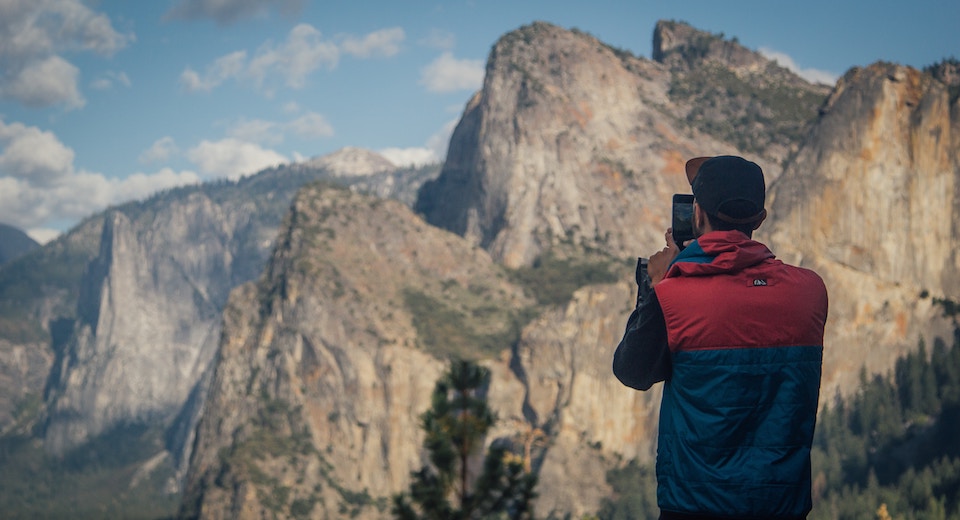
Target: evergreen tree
<point>456,425</point>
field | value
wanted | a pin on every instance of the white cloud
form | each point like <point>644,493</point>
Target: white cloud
<point>232,158</point>
<point>448,74</point>
<point>33,156</point>
<point>40,186</point>
<point>434,151</point>
<point>43,235</point>
<point>292,61</point>
<point>810,74</point>
<point>46,82</point>
<point>109,79</point>
<point>311,126</point>
<point>36,34</point>
<point>302,53</point>
<point>409,156</point>
<point>161,150</point>
<point>440,141</point>
<point>385,42</point>
<point>142,185</point>
<point>229,11</point>
<point>223,68</point>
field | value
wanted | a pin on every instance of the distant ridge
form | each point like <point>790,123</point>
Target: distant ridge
<point>14,243</point>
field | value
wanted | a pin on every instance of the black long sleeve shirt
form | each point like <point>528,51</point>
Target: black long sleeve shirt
<point>643,356</point>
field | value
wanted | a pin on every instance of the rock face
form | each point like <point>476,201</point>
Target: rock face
<point>352,162</point>
<point>571,142</point>
<point>565,144</point>
<point>872,202</point>
<point>146,323</point>
<point>148,317</point>
<point>328,360</point>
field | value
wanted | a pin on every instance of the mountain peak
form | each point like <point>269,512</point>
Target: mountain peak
<point>681,46</point>
<point>352,162</point>
<point>13,243</point>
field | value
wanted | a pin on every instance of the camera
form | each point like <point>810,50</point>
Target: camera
<point>682,219</point>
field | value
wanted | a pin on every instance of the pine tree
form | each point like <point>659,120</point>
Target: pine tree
<point>456,426</point>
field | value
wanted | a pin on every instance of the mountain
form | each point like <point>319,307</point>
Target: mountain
<point>273,357</point>
<point>112,326</point>
<point>570,152</point>
<point>574,143</point>
<point>327,357</point>
<point>872,202</point>
<point>14,243</point>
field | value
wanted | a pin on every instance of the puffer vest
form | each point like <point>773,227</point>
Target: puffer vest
<point>737,418</point>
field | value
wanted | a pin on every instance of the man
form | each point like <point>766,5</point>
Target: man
<point>737,337</point>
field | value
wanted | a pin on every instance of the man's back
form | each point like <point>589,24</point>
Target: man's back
<point>745,333</point>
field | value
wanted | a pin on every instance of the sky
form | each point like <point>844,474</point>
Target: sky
<point>108,101</point>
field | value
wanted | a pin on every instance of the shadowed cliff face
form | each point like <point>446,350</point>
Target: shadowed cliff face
<point>148,320</point>
<point>871,202</point>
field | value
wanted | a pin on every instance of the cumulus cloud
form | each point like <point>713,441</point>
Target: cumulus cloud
<point>161,150</point>
<point>232,158</point>
<point>810,74</point>
<point>385,42</point>
<point>226,12</point>
<point>35,35</point>
<point>39,184</point>
<point>434,151</point>
<point>448,74</point>
<point>33,156</point>
<point>409,156</point>
<point>291,61</point>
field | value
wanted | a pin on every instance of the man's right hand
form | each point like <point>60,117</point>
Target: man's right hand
<point>660,261</point>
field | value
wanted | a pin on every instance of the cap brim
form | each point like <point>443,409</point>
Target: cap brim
<point>693,166</point>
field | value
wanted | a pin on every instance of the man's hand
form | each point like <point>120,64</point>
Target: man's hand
<point>660,261</point>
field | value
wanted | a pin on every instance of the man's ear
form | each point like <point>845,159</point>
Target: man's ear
<point>762,218</point>
<point>699,217</point>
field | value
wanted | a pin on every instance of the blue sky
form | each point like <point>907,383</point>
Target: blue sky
<point>107,101</point>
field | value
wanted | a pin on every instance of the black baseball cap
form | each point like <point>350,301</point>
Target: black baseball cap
<point>728,187</point>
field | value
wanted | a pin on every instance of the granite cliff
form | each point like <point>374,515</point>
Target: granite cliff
<point>872,202</point>
<point>574,143</point>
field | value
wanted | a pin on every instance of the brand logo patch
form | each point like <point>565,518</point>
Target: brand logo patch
<point>760,282</point>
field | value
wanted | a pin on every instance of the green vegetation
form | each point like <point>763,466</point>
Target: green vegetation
<point>894,442</point>
<point>634,493</point>
<point>450,331</point>
<point>455,426</point>
<point>96,480</point>
<point>552,280</point>
<point>743,110</point>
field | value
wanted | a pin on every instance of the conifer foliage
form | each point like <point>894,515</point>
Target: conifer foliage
<point>456,426</point>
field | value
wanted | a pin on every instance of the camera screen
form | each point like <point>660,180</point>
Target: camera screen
<point>682,219</point>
